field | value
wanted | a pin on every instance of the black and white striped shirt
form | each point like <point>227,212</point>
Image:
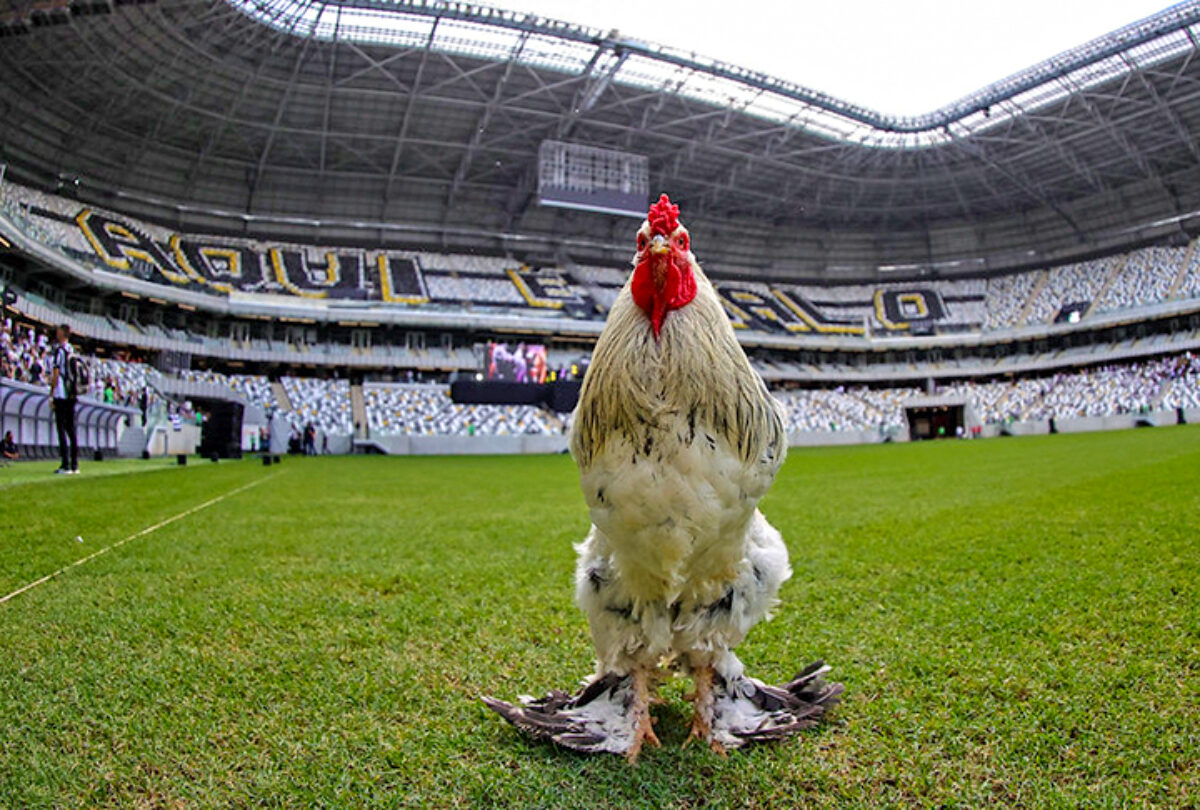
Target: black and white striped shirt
<point>60,361</point>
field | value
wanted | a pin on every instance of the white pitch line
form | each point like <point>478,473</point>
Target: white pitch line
<point>134,536</point>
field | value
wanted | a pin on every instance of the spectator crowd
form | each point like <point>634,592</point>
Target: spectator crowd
<point>324,405</point>
<point>1125,388</point>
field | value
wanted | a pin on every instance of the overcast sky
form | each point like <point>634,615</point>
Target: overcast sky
<point>902,57</point>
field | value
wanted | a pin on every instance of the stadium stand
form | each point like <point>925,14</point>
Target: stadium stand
<point>321,402</point>
<point>1099,392</point>
<point>1077,283</point>
<point>124,247</point>
<point>1189,286</point>
<point>255,388</point>
<point>1145,277</point>
<point>23,353</point>
<point>1129,388</point>
<point>1183,388</point>
<point>1007,297</point>
<point>120,381</point>
<point>1067,382</point>
<point>427,410</point>
<point>843,409</point>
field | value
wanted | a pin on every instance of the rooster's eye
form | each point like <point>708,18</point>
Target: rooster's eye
<point>642,241</point>
<point>682,242</point>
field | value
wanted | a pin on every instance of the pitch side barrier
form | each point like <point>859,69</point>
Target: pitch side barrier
<point>537,444</point>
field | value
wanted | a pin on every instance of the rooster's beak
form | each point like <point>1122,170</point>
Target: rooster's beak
<point>659,252</point>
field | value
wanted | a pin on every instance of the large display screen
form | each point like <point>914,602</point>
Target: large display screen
<point>524,363</point>
<point>587,178</point>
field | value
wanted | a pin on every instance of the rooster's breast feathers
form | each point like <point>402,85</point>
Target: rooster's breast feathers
<point>695,369</point>
<point>677,439</point>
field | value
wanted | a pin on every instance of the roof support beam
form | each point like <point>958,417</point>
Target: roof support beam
<point>402,134</point>
<point>280,108</point>
<point>1135,156</point>
<point>1164,107</point>
<point>1013,177</point>
<point>373,65</point>
<point>481,126</point>
<point>328,105</point>
<point>594,75</point>
<point>1174,19</point>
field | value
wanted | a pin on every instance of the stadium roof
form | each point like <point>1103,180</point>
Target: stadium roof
<point>418,122</point>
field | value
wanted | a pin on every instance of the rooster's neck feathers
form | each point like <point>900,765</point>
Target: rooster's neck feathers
<point>695,368</point>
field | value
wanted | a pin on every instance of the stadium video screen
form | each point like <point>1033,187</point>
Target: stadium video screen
<point>524,363</point>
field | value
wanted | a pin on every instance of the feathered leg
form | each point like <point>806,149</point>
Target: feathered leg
<point>612,712</point>
<point>703,700</point>
<point>643,687</point>
<point>746,710</point>
<point>731,709</point>
<point>600,718</point>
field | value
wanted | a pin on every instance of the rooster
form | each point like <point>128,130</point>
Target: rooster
<point>677,439</point>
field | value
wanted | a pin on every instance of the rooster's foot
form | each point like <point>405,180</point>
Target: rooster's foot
<point>746,710</point>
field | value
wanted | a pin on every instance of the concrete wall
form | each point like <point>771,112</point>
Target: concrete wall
<point>515,445</point>
<point>1087,424</point>
<point>466,445</point>
<point>168,441</point>
<point>822,438</point>
<point>1120,422</point>
<point>1018,429</point>
<point>524,445</point>
<point>339,444</point>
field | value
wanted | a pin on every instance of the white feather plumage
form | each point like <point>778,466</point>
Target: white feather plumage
<point>677,440</point>
<point>680,564</point>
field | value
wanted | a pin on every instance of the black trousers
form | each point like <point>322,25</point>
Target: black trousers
<point>64,420</point>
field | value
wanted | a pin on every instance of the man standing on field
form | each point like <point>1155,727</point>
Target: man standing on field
<point>63,390</point>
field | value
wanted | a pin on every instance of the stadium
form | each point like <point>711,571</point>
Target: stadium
<point>335,271</point>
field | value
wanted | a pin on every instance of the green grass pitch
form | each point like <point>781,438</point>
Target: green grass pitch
<point>1017,623</point>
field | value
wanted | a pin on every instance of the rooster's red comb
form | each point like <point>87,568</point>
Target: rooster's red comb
<point>663,216</point>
